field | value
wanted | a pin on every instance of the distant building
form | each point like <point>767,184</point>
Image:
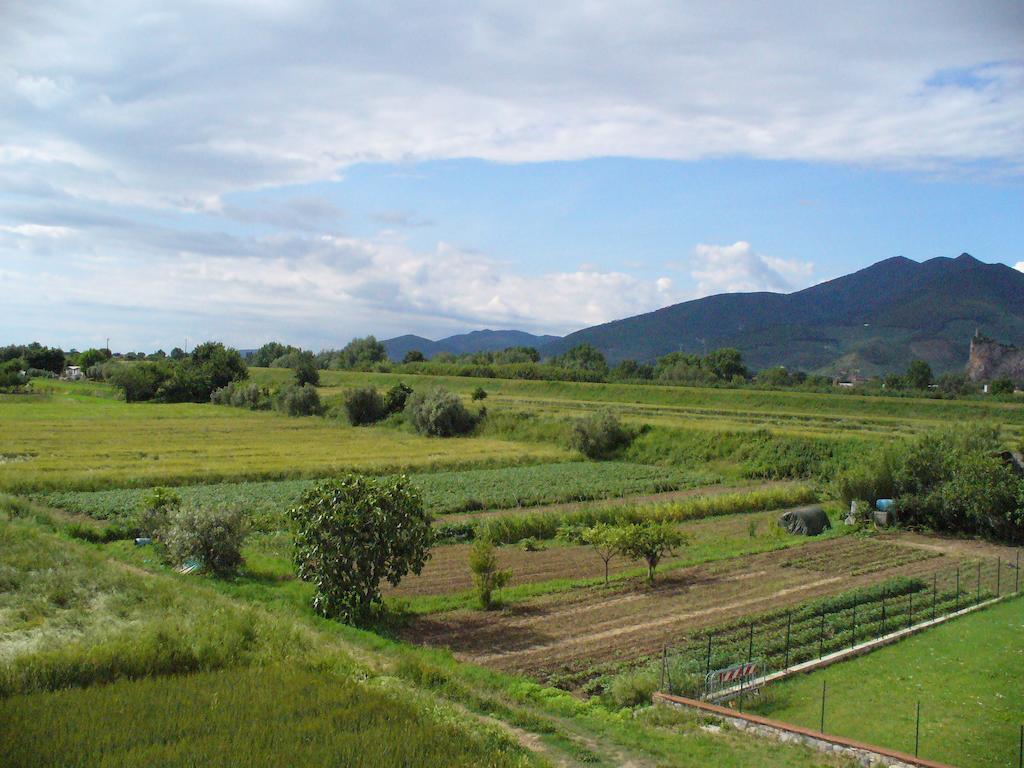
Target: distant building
<point>73,373</point>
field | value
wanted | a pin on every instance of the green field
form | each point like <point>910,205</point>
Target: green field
<point>968,675</point>
<point>70,441</point>
<point>443,492</point>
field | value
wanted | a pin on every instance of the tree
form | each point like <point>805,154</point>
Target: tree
<point>92,357</point>
<point>487,578</point>
<point>268,353</point>
<point>599,436</point>
<point>362,353</point>
<point>583,357</point>
<point>306,371</point>
<point>439,413</point>
<point>298,400</point>
<point>605,540</point>
<point>178,354</point>
<point>155,513</point>
<point>44,358</point>
<point>354,532</point>
<point>650,541</point>
<point>893,381</point>
<point>629,370</point>
<point>140,381</point>
<point>396,398</point>
<point>1002,386</point>
<point>213,537</point>
<point>479,394</point>
<point>725,363</point>
<point>364,405</point>
<point>413,356</point>
<point>918,375</point>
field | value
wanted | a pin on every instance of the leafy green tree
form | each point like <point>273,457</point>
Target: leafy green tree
<point>92,357</point>
<point>140,381</point>
<point>439,413</point>
<point>213,537</point>
<point>178,354</point>
<point>584,357</point>
<point>650,541</point>
<point>364,405</point>
<point>363,353</point>
<point>396,398</point>
<point>487,577</point>
<point>479,394</point>
<point>1002,386</point>
<point>894,382</point>
<point>605,540</point>
<point>725,364</point>
<point>155,512</point>
<point>918,375</point>
<point>296,400</point>
<point>599,436</point>
<point>629,370</point>
<point>306,371</point>
<point>352,534</point>
<point>44,358</point>
<point>413,356</point>
<point>269,352</point>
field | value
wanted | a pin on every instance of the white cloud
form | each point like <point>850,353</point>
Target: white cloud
<point>180,107</point>
<point>737,267</point>
<point>1019,265</point>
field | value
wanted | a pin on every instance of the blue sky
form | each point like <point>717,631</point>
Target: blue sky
<point>310,172</point>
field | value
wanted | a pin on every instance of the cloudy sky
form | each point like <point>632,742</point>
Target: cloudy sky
<point>310,171</point>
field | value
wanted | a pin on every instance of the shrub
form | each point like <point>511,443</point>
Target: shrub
<point>632,688</point>
<point>242,395</point>
<point>139,381</point>
<point>439,413</point>
<point>483,563</point>
<point>396,397</point>
<point>363,405</point>
<point>1002,386</point>
<point>306,371</point>
<point>298,400</point>
<point>154,517</point>
<point>600,436</point>
<point>354,533</point>
<point>213,537</point>
<point>479,394</point>
<point>650,541</point>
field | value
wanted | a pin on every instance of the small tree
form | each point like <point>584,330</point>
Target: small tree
<point>306,371</point>
<point>487,578</point>
<point>605,540</point>
<point>599,436</point>
<point>439,413</point>
<point>213,537</point>
<point>1002,386</point>
<point>413,356</point>
<point>298,400</point>
<point>355,532</point>
<point>479,394</point>
<point>364,405</point>
<point>157,507</point>
<point>396,397</point>
<point>918,375</point>
<point>650,541</point>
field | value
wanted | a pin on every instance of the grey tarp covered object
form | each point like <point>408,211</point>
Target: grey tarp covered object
<point>808,521</point>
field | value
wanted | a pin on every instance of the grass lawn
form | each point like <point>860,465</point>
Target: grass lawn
<point>71,441</point>
<point>968,675</point>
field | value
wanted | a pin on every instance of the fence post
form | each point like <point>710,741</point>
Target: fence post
<point>708,670</point>
<point>884,590</point>
<point>750,646</point>
<point>999,574</point>
<point>957,589</point>
<point>789,629</point>
<point>822,729</point>
<point>664,663</point>
<point>978,598</point>
<point>917,729</point>
<point>910,612</point>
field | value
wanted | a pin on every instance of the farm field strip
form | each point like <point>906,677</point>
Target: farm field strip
<point>444,493</point>
<point>74,442</point>
<point>574,632</point>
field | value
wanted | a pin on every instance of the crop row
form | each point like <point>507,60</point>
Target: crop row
<point>443,492</point>
<point>510,529</point>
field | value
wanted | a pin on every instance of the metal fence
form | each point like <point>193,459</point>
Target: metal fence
<point>701,666</point>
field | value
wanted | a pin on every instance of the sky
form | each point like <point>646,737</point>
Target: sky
<point>313,171</point>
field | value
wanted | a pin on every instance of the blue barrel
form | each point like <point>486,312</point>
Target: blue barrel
<point>885,504</point>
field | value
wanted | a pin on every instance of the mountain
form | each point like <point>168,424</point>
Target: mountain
<point>465,343</point>
<point>874,320</point>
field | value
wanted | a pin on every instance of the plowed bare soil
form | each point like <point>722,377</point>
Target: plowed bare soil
<point>595,625</point>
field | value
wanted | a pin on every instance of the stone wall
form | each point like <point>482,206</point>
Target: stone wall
<point>991,360</point>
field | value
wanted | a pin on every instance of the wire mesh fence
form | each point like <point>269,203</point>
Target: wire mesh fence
<point>732,655</point>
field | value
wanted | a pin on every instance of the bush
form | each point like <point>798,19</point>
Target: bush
<point>354,533</point>
<point>306,371</point>
<point>364,405</point>
<point>479,394</point>
<point>241,395</point>
<point>439,413</point>
<point>396,398</point>
<point>213,537</point>
<point>632,688</point>
<point>139,381</point>
<point>600,436</point>
<point>154,517</point>
<point>298,400</point>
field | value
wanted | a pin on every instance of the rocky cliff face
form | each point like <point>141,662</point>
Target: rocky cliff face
<point>991,360</point>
